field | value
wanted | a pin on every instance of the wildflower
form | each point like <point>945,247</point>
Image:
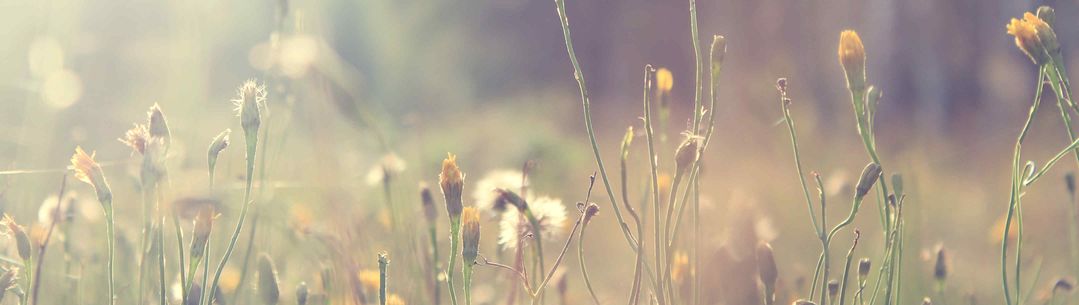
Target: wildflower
<point>1027,38</point>
<point>250,102</point>
<point>852,58</point>
<point>56,209</point>
<point>22,240</point>
<point>267,282</point>
<point>204,223</point>
<point>679,267</point>
<point>136,138</point>
<point>452,182</point>
<point>390,165</point>
<point>394,299</point>
<point>549,212</point>
<point>470,235</point>
<point>87,170</point>
<point>486,195</point>
<point>664,80</point>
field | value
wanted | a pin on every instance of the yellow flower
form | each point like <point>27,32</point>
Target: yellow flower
<point>680,266</point>
<point>84,165</point>
<point>394,299</point>
<point>1026,37</point>
<point>664,80</point>
<point>852,58</point>
<point>369,280</point>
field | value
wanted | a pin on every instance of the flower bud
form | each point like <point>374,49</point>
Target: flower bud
<point>766,267</point>
<point>869,177</point>
<point>301,294</point>
<point>452,182</point>
<point>719,49</point>
<point>940,269</point>
<point>864,266</point>
<point>852,58</point>
<point>470,235</point>
<point>686,154</point>
<point>428,201</point>
<point>267,284</point>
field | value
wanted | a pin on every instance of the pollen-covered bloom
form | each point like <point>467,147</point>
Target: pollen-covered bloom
<point>87,170</point>
<point>1027,38</point>
<point>486,195</point>
<point>852,58</point>
<point>549,212</point>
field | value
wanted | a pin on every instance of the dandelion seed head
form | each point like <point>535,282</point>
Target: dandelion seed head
<point>549,212</point>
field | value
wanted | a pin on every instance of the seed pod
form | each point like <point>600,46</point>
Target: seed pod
<point>940,269</point>
<point>470,235</point>
<point>267,284</point>
<point>452,182</point>
<point>869,177</point>
<point>863,267</point>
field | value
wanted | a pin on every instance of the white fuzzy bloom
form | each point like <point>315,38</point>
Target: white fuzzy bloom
<point>389,165</point>
<point>550,213</point>
<point>485,195</point>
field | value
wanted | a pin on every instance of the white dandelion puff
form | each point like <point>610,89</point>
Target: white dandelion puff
<point>550,213</point>
<point>485,194</point>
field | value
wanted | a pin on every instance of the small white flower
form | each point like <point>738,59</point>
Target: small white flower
<point>550,213</point>
<point>390,165</point>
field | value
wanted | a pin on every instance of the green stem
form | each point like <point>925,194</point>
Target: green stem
<point>455,237</point>
<point>584,270</point>
<point>252,142</point>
